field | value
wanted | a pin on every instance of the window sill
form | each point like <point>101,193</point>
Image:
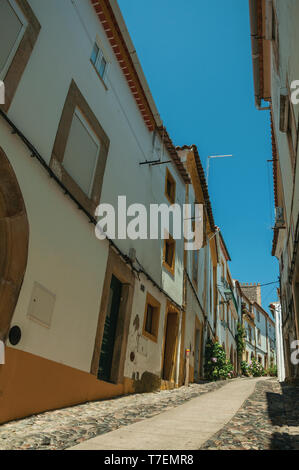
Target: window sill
<point>74,189</point>
<point>169,199</point>
<point>149,336</point>
<point>168,268</point>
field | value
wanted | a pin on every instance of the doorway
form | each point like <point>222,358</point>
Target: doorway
<point>197,355</point>
<point>108,341</point>
<point>109,354</point>
<point>14,236</point>
<point>197,349</point>
<point>169,359</point>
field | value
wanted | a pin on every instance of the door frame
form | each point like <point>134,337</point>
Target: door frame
<point>198,326</point>
<point>171,309</point>
<point>117,267</point>
<point>14,235</point>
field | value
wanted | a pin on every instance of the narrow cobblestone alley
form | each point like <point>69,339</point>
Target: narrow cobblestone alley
<point>267,419</point>
<point>60,429</point>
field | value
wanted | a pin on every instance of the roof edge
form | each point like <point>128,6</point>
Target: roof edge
<point>203,182</point>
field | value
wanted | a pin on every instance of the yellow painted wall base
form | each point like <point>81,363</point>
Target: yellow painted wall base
<point>30,384</point>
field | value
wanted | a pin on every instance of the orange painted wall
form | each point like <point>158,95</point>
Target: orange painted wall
<point>30,384</point>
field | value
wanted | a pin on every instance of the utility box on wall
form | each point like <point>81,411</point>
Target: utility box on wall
<point>41,305</point>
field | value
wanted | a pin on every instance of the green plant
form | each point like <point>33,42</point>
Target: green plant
<point>240,340</point>
<point>272,371</point>
<point>217,366</point>
<point>256,369</point>
<point>245,369</point>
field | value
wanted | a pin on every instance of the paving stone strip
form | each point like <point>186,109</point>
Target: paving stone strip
<point>268,420</point>
<point>60,429</point>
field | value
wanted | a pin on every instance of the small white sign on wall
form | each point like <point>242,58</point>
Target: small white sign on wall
<point>2,92</point>
<point>2,353</point>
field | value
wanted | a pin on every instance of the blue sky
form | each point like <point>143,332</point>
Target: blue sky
<point>196,56</point>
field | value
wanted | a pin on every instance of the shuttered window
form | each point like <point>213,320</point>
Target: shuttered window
<point>81,153</point>
<point>12,27</point>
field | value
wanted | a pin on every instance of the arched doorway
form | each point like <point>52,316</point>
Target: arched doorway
<point>14,237</point>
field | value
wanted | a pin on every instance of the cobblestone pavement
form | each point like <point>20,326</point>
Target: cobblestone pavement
<point>268,420</point>
<point>60,429</point>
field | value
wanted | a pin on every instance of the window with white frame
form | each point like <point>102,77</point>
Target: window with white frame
<point>99,61</point>
<point>12,27</point>
<point>81,153</point>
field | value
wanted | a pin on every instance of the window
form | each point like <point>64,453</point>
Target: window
<point>169,254</point>
<point>292,133</point>
<point>80,151</point>
<point>259,339</point>
<point>12,28</point>
<point>99,61</point>
<point>287,122</point>
<point>16,19</point>
<point>249,334</point>
<point>170,187</point>
<point>151,318</point>
<point>258,316</point>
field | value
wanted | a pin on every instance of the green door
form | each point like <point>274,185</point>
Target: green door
<point>105,364</point>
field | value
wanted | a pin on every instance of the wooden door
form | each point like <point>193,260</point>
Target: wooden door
<point>107,349</point>
<point>170,345</point>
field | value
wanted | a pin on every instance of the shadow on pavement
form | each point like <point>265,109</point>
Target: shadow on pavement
<point>283,411</point>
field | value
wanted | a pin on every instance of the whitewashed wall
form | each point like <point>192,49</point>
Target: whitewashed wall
<point>64,257</point>
<point>64,254</point>
<point>287,13</point>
